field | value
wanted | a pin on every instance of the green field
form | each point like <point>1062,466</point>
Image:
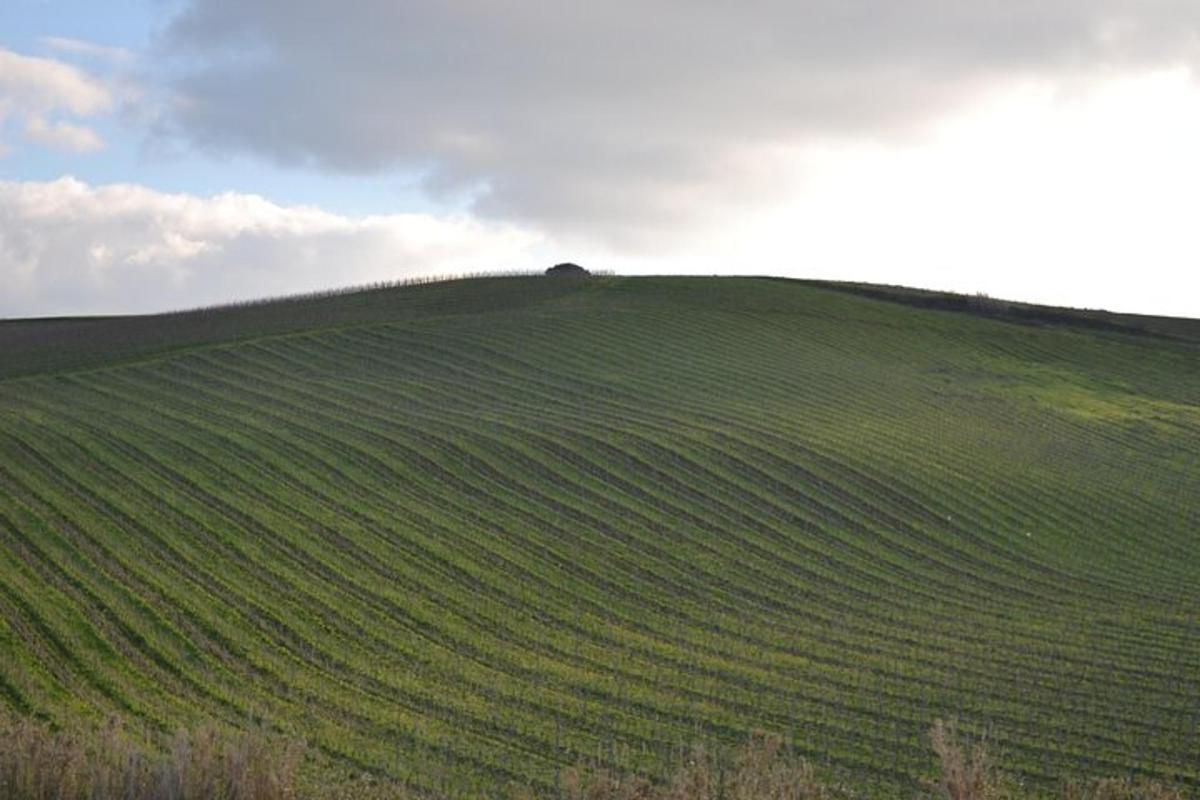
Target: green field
<point>471,531</point>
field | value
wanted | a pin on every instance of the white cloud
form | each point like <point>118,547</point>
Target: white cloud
<point>70,248</point>
<point>78,47</point>
<point>37,92</point>
<point>43,84</point>
<point>1086,200</point>
<point>63,135</point>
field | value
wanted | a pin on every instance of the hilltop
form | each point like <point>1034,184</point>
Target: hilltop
<point>468,532</point>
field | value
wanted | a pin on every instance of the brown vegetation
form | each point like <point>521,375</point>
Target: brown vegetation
<point>967,771</point>
<point>759,771</point>
<point>37,763</point>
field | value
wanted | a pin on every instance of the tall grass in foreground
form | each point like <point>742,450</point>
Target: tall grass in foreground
<point>969,771</point>
<point>109,764</point>
<point>37,763</point>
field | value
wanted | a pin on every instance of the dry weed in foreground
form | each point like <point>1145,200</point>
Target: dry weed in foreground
<point>967,770</point>
<point>39,764</point>
<point>759,772</point>
<point>1121,789</point>
<point>109,764</point>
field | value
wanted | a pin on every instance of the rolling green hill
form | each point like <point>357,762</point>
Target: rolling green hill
<point>471,531</point>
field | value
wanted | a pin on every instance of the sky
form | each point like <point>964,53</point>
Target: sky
<point>165,154</point>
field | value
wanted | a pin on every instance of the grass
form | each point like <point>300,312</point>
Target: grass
<point>464,535</point>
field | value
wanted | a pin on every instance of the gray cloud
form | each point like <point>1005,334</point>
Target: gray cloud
<point>621,117</point>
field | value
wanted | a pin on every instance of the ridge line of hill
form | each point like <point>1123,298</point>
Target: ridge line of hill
<point>48,345</point>
<point>40,346</point>
<point>1177,329</point>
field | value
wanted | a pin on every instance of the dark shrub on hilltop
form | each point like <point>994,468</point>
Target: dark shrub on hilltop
<point>568,269</point>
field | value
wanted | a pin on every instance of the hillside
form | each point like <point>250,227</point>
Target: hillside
<point>471,531</point>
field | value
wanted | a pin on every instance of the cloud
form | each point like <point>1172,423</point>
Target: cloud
<point>1080,201</point>
<point>63,135</point>
<point>623,118</point>
<point>70,248</point>
<point>37,92</point>
<point>78,47</point>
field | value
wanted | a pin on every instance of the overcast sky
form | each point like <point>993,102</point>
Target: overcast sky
<point>158,154</point>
